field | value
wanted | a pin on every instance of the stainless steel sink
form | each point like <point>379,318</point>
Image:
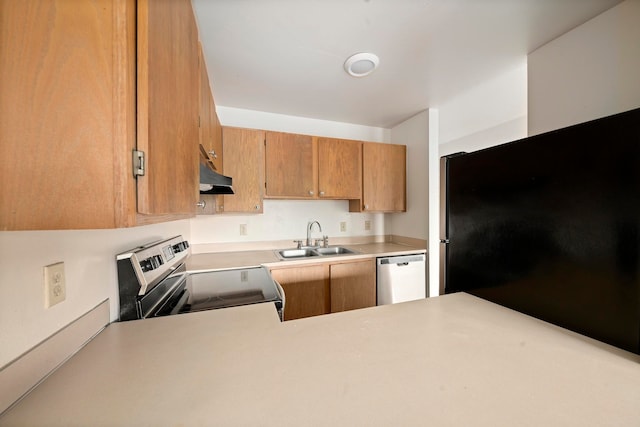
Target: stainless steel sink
<point>312,252</point>
<point>296,253</point>
<point>334,250</point>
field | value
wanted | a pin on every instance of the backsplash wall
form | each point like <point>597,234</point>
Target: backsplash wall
<point>90,270</point>
<point>286,219</point>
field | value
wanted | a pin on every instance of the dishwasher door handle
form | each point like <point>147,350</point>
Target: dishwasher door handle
<point>402,264</point>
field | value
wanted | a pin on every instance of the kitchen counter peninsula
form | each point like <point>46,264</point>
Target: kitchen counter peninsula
<point>453,360</point>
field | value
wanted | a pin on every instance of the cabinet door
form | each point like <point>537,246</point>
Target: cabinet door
<point>216,152</point>
<point>210,128</point>
<point>339,168</point>
<point>353,285</point>
<point>383,177</point>
<point>168,84</point>
<point>67,114</point>
<point>306,290</point>
<point>244,163</point>
<point>291,167</point>
<point>206,104</point>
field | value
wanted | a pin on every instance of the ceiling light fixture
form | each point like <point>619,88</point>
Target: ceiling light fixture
<point>361,64</point>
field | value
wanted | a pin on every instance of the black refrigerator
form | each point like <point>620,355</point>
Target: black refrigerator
<point>550,226</point>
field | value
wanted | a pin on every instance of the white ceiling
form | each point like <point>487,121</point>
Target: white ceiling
<point>286,56</point>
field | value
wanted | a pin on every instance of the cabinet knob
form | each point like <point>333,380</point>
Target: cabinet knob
<point>311,192</point>
<point>213,154</point>
<point>366,206</point>
<point>201,204</point>
<point>322,193</point>
<point>257,207</point>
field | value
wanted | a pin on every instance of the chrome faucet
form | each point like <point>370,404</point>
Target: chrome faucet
<point>309,227</point>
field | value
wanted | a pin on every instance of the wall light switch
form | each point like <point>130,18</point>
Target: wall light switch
<point>343,226</point>
<point>367,225</point>
<point>54,284</point>
<point>243,229</point>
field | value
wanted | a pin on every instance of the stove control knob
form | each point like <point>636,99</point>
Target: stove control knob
<point>182,246</point>
<point>156,261</point>
<point>146,265</point>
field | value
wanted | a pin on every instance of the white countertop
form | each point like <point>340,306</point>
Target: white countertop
<point>454,360</point>
<point>219,260</point>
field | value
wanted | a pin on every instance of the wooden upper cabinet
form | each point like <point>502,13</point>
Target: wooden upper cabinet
<point>339,168</point>
<point>67,114</point>
<point>244,163</point>
<point>383,179</point>
<point>168,87</point>
<point>290,166</point>
<point>216,152</point>
<point>73,109</point>
<point>205,122</point>
<point>210,128</point>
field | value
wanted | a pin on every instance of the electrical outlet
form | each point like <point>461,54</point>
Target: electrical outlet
<point>243,229</point>
<point>54,284</point>
<point>343,226</point>
<point>367,225</point>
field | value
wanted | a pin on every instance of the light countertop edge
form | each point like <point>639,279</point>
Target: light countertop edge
<point>268,258</point>
<point>450,360</point>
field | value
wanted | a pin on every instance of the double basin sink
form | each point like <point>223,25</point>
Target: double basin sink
<point>313,252</point>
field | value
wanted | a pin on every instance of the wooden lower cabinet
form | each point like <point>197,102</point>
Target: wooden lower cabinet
<point>353,285</point>
<point>312,290</point>
<point>307,290</point>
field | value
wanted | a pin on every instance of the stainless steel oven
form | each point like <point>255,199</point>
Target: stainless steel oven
<point>153,281</point>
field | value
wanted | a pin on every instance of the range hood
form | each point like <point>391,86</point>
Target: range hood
<point>212,182</point>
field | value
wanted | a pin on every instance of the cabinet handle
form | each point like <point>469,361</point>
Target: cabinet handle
<point>201,204</point>
<point>213,154</point>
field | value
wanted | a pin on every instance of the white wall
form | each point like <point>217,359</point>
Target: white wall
<point>505,132</point>
<point>590,72</point>
<point>284,220</point>
<point>287,219</point>
<point>91,277</point>
<point>414,133</point>
<point>492,113</point>
<point>307,126</point>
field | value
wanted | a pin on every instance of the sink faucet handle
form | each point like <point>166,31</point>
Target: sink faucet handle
<point>299,243</point>
<point>325,241</point>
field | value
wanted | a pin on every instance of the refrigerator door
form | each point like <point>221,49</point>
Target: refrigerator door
<point>444,214</point>
<point>550,226</point>
<point>444,220</point>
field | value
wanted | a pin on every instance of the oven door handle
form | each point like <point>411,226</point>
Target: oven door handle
<point>281,291</point>
<point>181,301</point>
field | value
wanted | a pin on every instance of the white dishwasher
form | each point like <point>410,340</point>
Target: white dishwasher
<point>401,278</point>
